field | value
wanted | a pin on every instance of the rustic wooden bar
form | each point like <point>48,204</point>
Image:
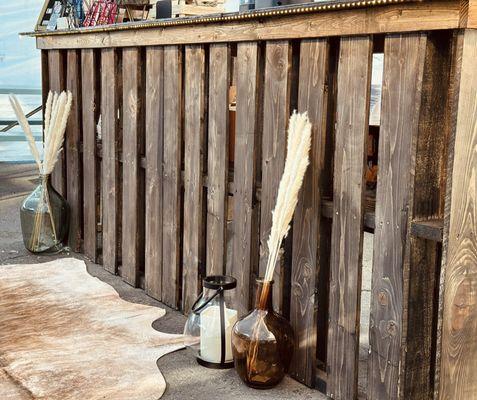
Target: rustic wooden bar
<point>176,145</point>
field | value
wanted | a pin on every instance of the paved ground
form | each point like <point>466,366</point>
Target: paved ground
<point>185,378</point>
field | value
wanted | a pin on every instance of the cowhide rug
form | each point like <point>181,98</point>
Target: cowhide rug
<point>66,335</point>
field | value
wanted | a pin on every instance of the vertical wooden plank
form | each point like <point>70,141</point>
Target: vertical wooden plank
<point>45,85</point>
<point>154,153</point>
<point>110,93</point>
<point>312,98</point>
<point>57,79</point>
<point>247,137</point>
<point>194,134</point>
<point>132,234</point>
<point>90,111</point>
<point>458,364</point>
<point>352,113</point>
<point>276,113</point>
<point>218,160</point>
<point>402,82</point>
<point>421,267</point>
<point>172,176</point>
<point>73,157</point>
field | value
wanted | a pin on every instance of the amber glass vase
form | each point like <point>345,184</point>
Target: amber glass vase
<point>262,342</point>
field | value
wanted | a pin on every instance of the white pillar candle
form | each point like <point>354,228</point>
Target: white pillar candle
<point>210,337</point>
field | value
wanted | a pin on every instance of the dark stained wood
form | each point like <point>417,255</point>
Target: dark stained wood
<point>73,137</point>
<point>353,90</point>
<point>154,155</point>
<point>401,99</point>
<point>276,110</point>
<point>57,81</point>
<point>45,85</point>
<point>312,98</point>
<point>133,129</point>
<point>458,364</point>
<point>111,144</point>
<point>218,145</point>
<point>246,163</point>
<point>421,267</point>
<point>171,279</point>
<point>90,112</point>
<point>194,136</point>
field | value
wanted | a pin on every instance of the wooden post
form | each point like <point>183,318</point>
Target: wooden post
<point>458,362</point>
<point>154,157</point>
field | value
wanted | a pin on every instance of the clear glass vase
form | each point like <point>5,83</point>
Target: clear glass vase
<point>262,342</point>
<point>44,218</point>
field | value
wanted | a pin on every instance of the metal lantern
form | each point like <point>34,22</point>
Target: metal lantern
<point>208,328</point>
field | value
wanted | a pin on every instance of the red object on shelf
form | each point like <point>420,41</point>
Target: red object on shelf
<point>101,12</point>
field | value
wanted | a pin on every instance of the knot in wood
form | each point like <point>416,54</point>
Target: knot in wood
<point>391,328</point>
<point>383,298</point>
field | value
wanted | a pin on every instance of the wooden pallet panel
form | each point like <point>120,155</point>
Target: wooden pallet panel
<point>57,81</point>
<point>154,156</point>
<point>73,137</point>
<point>352,115</point>
<point>194,136</point>
<point>218,160</point>
<point>312,98</point>
<point>90,111</point>
<point>246,163</point>
<point>458,363</point>
<point>402,82</point>
<point>111,144</point>
<point>171,250</point>
<point>276,108</point>
<point>133,198</point>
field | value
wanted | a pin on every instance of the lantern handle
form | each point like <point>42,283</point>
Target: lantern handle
<point>199,309</point>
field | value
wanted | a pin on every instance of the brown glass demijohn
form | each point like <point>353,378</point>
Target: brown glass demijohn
<point>262,342</point>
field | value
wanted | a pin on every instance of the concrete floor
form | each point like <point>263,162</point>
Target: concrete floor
<point>186,380</point>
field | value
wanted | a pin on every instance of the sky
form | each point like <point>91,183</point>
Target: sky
<point>20,64</point>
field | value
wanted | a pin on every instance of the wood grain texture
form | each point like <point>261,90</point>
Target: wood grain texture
<point>194,136</point>
<point>111,144</point>
<point>154,109</point>
<point>246,163</point>
<point>133,200</point>
<point>421,267</point>
<point>458,364</point>
<point>218,160</point>
<point>45,84</point>
<point>312,98</point>
<point>74,165</point>
<point>352,113</point>
<point>57,81</point>
<point>171,240</point>
<point>401,99</point>
<point>276,109</point>
<point>391,18</point>
<point>90,112</point>
<point>472,14</point>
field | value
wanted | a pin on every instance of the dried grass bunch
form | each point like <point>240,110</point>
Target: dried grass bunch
<point>56,115</point>
<point>297,160</point>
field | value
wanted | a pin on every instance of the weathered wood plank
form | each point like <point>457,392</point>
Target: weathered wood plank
<point>194,136</point>
<point>218,160</point>
<point>154,155</point>
<point>276,111</point>
<point>172,176</point>
<point>45,85</point>
<point>133,129</point>
<point>312,98</point>
<point>246,163</point>
<point>57,81</point>
<point>391,18</point>
<point>421,266</point>
<point>111,145</point>
<point>402,83</point>
<point>352,115</point>
<point>73,137</point>
<point>458,364</point>
<point>90,111</point>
